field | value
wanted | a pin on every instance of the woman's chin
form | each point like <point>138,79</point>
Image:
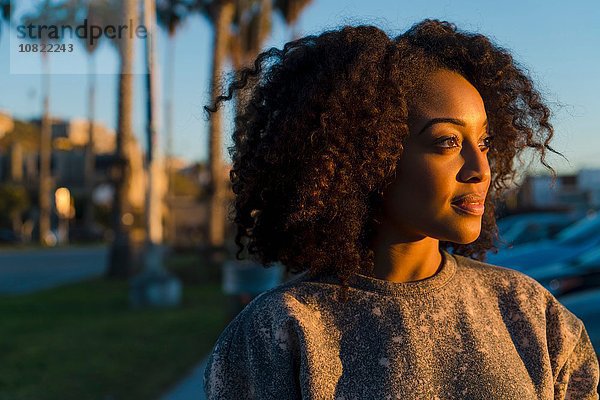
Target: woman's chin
<point>464,236</point>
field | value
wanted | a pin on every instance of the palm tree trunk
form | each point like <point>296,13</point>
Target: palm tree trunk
<point>170,78</point>
<point>153,201</point>
<point>45,175</point>
<point>154,286</point>
<point>120,256</point>
<point>223,16</point>
<point>16,176</point>
<point>90,154</point>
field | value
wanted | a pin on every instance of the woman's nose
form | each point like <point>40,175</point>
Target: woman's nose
<point>476,166</point>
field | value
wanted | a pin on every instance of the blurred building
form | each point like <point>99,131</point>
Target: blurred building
<point>186,215</point>
<point>6,123</point>
<point>186,205</point>
<point>69,139</point>
<point>580,191</point>
<point>74,133</point>
<point>104,138</point>
<point>176,163</point>
<point>19,161</point>
<point>186,218</point>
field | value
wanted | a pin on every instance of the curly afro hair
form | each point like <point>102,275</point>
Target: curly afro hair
<point>320,130</point>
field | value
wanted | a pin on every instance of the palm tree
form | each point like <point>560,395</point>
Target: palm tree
<point>252,26</point>
<point>5,13</point>
<point>153,200</point>
<point>170,15</point>
<point>240,28</point>
<point>153,278</point>
<point>221,14</point>
<point>47,13</point>
<point>120,260</point>
<point>291,10</point>
<point>97,12</point>
<point>100,13</point>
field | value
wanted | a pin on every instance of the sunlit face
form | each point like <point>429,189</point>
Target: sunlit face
<point>445,156</point>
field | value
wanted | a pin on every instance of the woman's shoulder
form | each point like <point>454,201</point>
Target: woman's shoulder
<point>526,303</point>
<point>502,278</point>
<point>523,296</point>
<point>258,350</point>
<point>297,298</point>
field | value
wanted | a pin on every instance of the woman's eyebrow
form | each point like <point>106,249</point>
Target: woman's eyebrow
<point>454,121</point>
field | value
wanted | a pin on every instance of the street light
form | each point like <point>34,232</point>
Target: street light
<point>62,199</point>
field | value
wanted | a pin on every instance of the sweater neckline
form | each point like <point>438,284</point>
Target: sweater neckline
<point>436,281</point>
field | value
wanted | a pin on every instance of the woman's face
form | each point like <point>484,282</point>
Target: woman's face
<point>445,156</point>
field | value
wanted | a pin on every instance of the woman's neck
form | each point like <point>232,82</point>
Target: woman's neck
<point>399,259</point>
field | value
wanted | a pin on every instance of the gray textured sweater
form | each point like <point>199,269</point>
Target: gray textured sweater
<point>471,331</point>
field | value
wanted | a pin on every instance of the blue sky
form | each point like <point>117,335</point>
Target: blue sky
<point>556,41</point>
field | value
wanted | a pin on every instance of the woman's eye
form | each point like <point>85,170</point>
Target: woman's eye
<point>488,141</point>
<point>452,141</point>
<point>448,142</point>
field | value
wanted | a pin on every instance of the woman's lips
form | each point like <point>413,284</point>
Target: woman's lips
<point>469,208</point>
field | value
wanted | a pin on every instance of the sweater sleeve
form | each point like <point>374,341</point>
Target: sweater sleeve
<point>254,358</point>
<point>578,378</point>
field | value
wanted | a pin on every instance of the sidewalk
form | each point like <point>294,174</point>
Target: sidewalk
<point>190,387</point>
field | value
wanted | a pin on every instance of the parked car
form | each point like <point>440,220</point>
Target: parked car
<point>580,273</point>
<point>571,242</point>
<point>531,227</point>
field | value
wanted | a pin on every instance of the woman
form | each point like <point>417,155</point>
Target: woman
<point>370,165</point>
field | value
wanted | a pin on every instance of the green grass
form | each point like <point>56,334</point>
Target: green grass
<point>83,342</point>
